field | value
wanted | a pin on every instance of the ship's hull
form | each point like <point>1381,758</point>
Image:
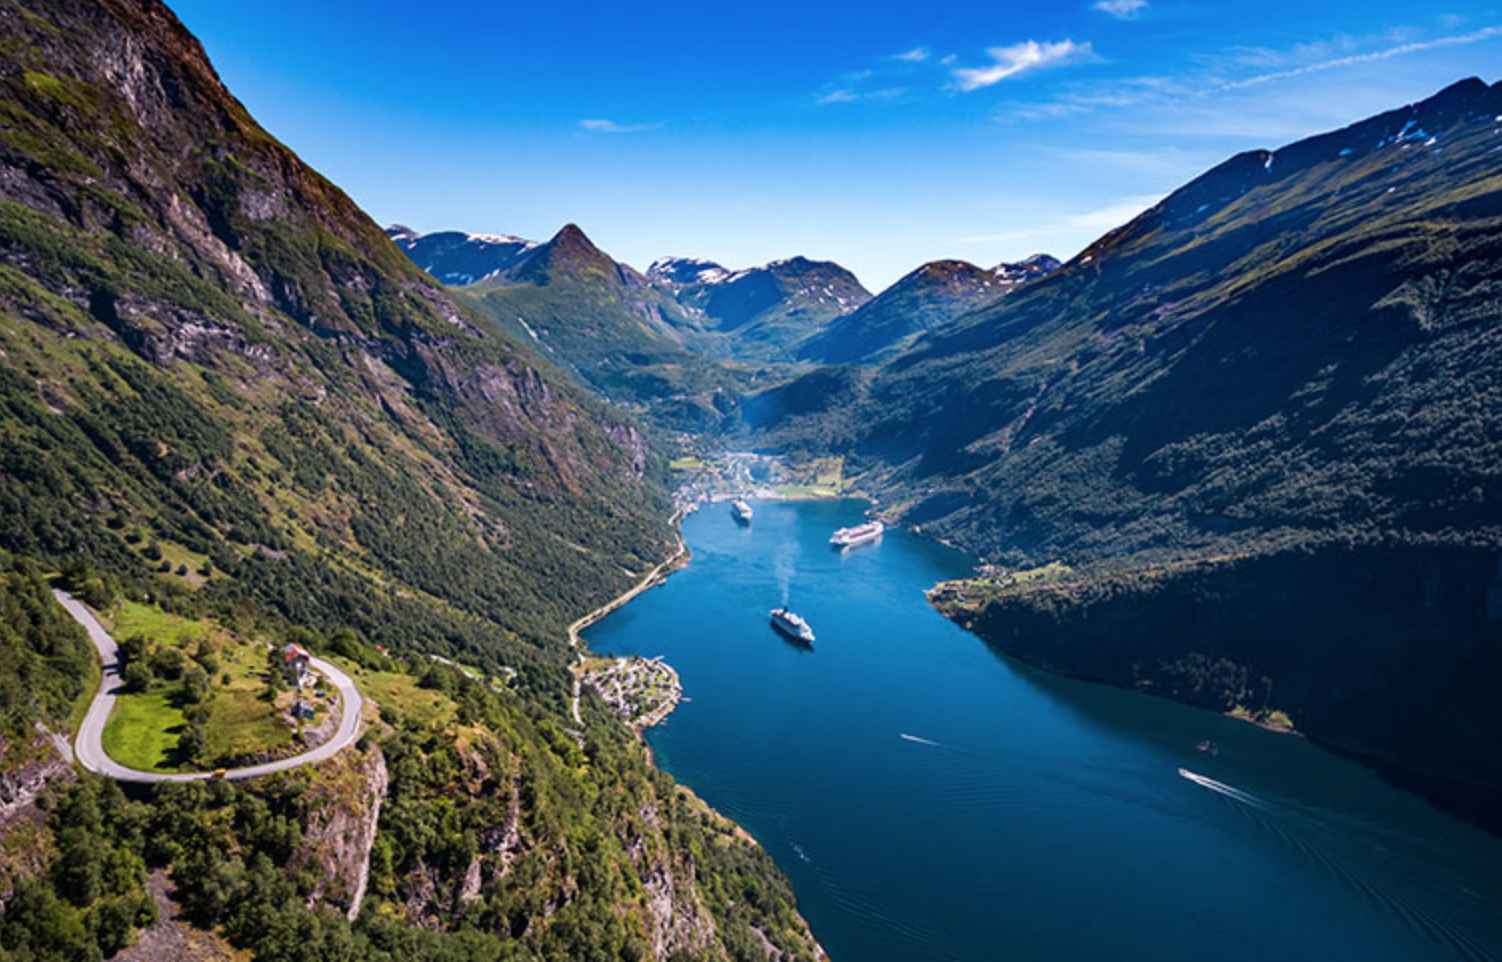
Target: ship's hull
<point>796,637</point>
<point>850,537</point>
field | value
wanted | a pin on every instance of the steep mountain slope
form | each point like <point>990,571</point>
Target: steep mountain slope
<point>766,310</point>
<point>457,258</point>
<point>929,297</point>
<point>223,389</point>
<point>206,341</point>
<point>604,321</point>
<point>1296,358</point>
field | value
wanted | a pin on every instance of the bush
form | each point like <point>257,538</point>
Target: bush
<point>137,676</point>
<point>196,687</point>
<point>167,663</point>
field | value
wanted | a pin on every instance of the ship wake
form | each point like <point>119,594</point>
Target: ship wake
<point>1221,788</point>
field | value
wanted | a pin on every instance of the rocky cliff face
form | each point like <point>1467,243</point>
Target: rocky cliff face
<point>344,803</point>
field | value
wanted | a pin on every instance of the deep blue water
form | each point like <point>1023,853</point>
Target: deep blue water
<point>931,799</point>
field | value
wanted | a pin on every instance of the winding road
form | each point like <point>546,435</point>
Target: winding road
<point>89,745</point>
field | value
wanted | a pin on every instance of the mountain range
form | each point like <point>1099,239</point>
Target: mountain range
<point>684,340</point>
<point>1241,451</point>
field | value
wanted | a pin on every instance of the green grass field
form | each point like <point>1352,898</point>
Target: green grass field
<point>142,731</point>
<point>241,722</point>
<point>401,694</point>
<point>132,618</point>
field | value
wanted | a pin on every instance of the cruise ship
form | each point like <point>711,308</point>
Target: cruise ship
<point>793,626</point>
<point>741,511</point>
<point>860,534</point>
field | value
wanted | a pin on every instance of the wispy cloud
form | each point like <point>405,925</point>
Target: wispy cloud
<point>599,125</point>
<point>1236,70</point>
<point>844,95</point>
<point>1351,60</point>
<point>1121,9</point>
<point>915,55</point>
<point>1090,222</point>
<point>1020,58</point>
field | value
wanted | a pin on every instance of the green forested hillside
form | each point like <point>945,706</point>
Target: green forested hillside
<point>209,348</point>
<point>604,321</point>
<point>223,390</point>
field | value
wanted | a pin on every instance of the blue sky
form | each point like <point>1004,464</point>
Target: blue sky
<point>877,136</point>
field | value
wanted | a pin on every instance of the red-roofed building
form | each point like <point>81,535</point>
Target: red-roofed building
<point>294,664</point>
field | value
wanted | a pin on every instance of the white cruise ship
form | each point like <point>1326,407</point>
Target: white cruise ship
<point>793,626</point>
<point>860,534</point>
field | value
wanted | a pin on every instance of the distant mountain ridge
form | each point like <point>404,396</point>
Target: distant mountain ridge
<point>762,312</point>
<point>457,258</point>
<point>928,297</point>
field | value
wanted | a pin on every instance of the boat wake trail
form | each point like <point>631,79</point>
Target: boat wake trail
<point>785,567</point>
<point>1221,788</point>
<point>921,741</point>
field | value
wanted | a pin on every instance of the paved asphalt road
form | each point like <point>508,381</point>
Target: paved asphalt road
<point>89,746</point>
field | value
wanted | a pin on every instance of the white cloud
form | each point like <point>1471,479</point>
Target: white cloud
<point>597,125</point>
<point>948,59</point>
<point>1402,49</point>
<point>840,96</point>
<point>915,55</point>
<point>1018,58</point>
<point>1121,9</point>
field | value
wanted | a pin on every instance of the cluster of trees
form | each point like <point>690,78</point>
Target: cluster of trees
<point>45,658</point>
<point>93,895</point>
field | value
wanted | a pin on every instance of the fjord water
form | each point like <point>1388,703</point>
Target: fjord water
<point>931,799</point>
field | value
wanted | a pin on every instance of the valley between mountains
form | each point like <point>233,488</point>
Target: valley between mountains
<point>1273,392</point>
<point>1242,452</point>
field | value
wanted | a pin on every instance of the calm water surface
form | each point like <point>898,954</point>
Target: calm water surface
<point>931,799</point>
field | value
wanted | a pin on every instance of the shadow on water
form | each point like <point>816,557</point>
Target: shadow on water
<point>802,647</point>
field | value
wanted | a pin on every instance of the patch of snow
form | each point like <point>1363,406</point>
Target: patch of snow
<point>500,239</point>
<point>528,328</point>
<point>1345,152</point>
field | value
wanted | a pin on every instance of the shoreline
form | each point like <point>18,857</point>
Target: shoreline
<point>651,579</point>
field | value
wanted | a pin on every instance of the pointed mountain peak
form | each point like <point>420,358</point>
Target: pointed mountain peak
<point>572,236</point>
